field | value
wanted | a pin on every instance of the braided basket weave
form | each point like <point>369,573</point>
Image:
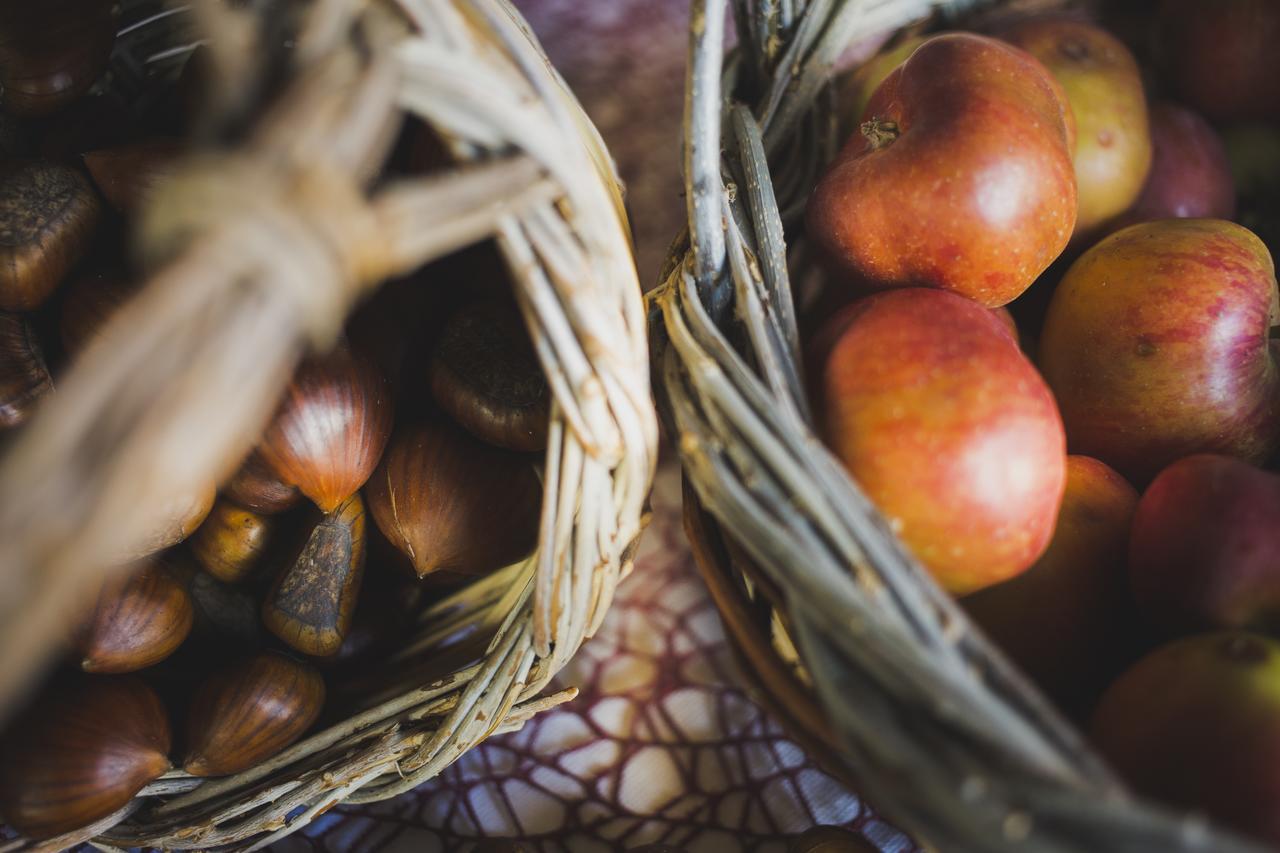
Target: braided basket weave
<point>847,638</point>
<point>262,248</point>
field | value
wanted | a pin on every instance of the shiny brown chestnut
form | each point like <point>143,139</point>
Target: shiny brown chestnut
<point>127,174</point>
<point>256,487</point>
<point>24,377</point>
<point>231,542</point>
<point>138,620</point>
<point>449,501</point>
<point>91,299</point>
<point>52,51</point>
<point>485,375</point>
<point>330,430</point>
<point>80,753</point>
<point>175,523</point>
<point>47,216</point>
<point>312,602</point>
<point>249,711</point>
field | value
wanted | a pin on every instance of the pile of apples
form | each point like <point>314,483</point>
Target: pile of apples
<point>1086,467</point>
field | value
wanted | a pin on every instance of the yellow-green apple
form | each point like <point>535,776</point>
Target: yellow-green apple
<point>1190,175</point>
<point>1062,620</point>
<point>1196,724</point>
<point>1103,86</point>
<point>1156,344</point>
<point>948,428</point>
<point>1221,56</point>
<point>1205,551</point>
<point>960,177</point>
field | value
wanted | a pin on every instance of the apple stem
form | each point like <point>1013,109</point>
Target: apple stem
<point>880,132</point>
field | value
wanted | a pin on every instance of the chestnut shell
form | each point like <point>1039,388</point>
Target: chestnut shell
<point>80,753</point>
<point>311,604</point>
<point>48,213</point>
<point>52,51</point>
<point>451,502</point>
<point>330,429</point>
<point>256,487</point>
<point>138,620</point>
<point>485,375</point>
<point>231,542</point>
<point>127,174</point>
<point>24,377</point>
<point>91,298</point>
<point>249,711</point>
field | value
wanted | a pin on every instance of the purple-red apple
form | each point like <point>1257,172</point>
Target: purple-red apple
<point>1062,620</point>
<point>1190,175</point>
<point>1205,551</point>
<point>1103,86</point>
<point>1196,724</point>
<point>960,178</point>
<point>1221,57</point>
<point>1156,344</point>
<point>948,428</point>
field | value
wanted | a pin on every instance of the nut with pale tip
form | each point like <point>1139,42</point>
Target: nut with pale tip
<point>48,213</point>
<point>80,752</point>
<point>312,602</point>
<point>249,711</point>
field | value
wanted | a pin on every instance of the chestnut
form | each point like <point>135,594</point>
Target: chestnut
<point>330,430</point>
<point>225,615</point>
<point>449,501</point>
<point>312,601</point>
<point>47,216</point>
<point>485,375</point>
<point>127,174</point>
<point>249,711</point>
<point>256,487</point>
<point>138,620</point>
<point>52,51</point>
<point>231,541</point>
<point>90,300</point>
<point>81,752</point>
<point>24,378</point>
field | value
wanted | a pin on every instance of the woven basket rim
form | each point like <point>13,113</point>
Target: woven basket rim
<point>534,175</point>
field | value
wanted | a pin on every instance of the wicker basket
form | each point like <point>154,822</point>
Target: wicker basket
<point>262,249</point>
<point>845,635</point>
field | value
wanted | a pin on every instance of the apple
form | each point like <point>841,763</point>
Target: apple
<point>1205,551</point>
<point>1221,58</point>
<point>1190,175</point>
<point>855,88</point>
<point>1156,346</point>
<point>1103,86</point>
<point>1196,724</point>
<point>949,430</point>
<point>959,179</point>
<point>1064,619</point>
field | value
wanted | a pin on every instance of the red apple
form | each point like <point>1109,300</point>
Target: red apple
<point>1063,619</point>
<point>1205,551</point>
<point>1156,346</point>
<point>1103,86</point>
<point>1190,175</point>
<point>948,428</point>
<point>1196,724</point>
<point>1221,56</point>
<point>959,179</point>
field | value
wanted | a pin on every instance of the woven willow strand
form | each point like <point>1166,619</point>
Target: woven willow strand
<point>262,252</point>
<point>943,734</point>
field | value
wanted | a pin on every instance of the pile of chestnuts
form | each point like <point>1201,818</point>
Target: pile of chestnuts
<point>397,465</point>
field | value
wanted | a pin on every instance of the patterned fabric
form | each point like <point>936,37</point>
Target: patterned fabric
<point>661,745</point>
